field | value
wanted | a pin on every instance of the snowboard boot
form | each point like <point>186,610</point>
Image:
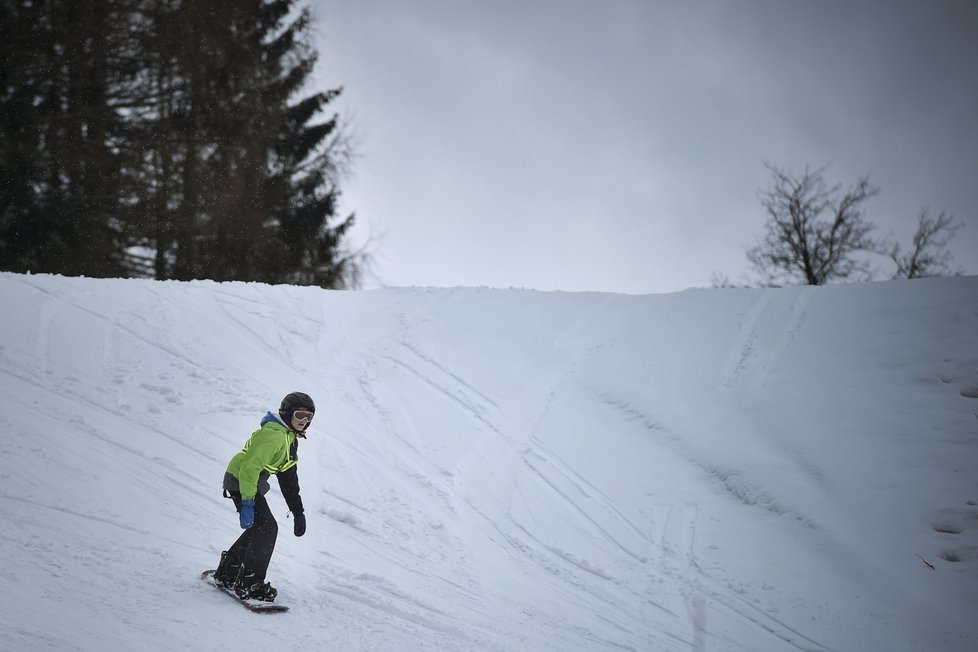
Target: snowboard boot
<point>226,574</point>
<point>248,587</point>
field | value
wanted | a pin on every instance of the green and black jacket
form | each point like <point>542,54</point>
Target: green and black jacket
<point>271,450</point>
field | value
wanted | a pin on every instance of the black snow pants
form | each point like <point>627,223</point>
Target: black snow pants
<point>254,547</point>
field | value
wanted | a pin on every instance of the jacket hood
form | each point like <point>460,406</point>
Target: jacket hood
<point>271,416</point>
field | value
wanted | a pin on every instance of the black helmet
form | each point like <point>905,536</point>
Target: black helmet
<point>292,402</point>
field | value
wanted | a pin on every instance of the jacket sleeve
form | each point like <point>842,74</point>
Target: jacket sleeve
<point>288,482</point>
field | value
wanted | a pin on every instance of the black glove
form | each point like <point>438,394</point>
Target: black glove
<point>300,524</point>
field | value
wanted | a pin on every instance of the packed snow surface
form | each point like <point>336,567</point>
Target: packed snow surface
<point>776,469</point>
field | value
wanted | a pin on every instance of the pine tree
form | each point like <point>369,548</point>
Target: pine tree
<point>306,164</point>
<point>167,138</point>
<point>249,181</point>
<point>59,158</point>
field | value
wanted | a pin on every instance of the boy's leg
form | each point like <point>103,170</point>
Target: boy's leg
<point>260,545</point>
<point>231,561</point>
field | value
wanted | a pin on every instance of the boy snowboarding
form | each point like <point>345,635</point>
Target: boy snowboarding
<point>272,449</point>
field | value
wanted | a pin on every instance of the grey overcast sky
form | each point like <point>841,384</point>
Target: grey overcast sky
<point>619,145</point>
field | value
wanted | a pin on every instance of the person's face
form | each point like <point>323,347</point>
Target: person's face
<point>301,420</point>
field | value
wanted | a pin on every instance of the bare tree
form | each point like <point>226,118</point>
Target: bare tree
<point>930,255</point>
<point>720,280</point>
<point>813,234</point>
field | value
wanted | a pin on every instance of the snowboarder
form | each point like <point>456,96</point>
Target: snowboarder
<point>272,449</point>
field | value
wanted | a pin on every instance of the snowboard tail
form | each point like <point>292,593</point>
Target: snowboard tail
<point>256,606</point>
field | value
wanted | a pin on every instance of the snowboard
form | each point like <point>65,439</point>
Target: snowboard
<point>256,606</point>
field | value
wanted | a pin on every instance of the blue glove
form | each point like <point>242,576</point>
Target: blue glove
<point>247,514</point>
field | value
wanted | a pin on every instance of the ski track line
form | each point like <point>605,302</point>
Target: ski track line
<point>172,353</point>
<point>136,335</point>
<point>767,330</point>
<point>744,344</point>
<point>795,320</point>
<point>33,382</point>
<point>553,560</point>
<point>265,309</point>
<point>463,402</point>
<point>577,509</point>
<point>159,467</point>
<point>738,486</point>
<point>668,573</point>
<point>677,544</point>
<point>460,398</point>
<point>274,354</point>
<point>382,585</point>
<point>84,427</point>
<point>707,592</point>
<point>374,404</point>
<point>428,359</point>
<point>695,607</point>
<point>571,575</point>
<point>755,616</point>
<point>389,606</point>
<point>588,492</point>
<point>88,517</point>
<point>209,458</point>
<point>765,359</point>
<point>346,501</point>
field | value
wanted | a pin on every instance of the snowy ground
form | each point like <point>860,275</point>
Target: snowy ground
<point>496,470</point>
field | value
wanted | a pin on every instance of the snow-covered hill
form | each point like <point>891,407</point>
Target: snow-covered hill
<point>496,470</point>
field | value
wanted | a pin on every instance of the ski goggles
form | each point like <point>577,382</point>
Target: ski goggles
<point>303,415</point>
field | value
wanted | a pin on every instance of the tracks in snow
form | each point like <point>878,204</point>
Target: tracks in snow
<point>674,604</point>
<point>767,329</point>
<point>704,612</point>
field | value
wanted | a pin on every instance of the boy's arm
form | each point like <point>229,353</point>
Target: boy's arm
<point>288,482</point>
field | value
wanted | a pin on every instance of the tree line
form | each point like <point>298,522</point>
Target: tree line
<point>817,234</point>
<point>168,139</point>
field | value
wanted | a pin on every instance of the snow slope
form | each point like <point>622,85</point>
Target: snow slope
<point>496,469</point>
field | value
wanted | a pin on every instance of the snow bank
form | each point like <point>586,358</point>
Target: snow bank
<point>785,469</point>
